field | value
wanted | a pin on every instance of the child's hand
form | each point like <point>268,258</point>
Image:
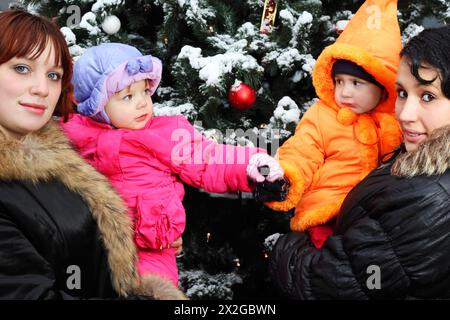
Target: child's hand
<point>259,160</point>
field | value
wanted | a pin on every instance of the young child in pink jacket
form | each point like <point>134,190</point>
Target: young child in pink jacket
<point>147,158</point>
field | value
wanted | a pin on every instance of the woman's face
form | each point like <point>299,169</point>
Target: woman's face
<point>420,108</point>
<point>29,91</point>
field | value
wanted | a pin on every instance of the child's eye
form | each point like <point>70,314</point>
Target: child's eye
<point>402,94</point>
<point>147,91</point>
<point>127,97</point>
<point>338,81</point>
<point>22,69</point>
<point>427,97</point>
<point>54,76</point>
<point>356,83</point>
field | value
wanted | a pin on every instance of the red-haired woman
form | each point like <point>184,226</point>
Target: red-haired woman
<point>64,232</point>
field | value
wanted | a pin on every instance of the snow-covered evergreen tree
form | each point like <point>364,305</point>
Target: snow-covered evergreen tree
<point>206,46</point>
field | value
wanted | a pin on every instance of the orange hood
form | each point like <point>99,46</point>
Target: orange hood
<point>372,40</point>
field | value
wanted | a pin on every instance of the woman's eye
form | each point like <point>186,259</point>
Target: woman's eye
<point>427,97</point>
<point>22,69</point>
<point>401,94</point>
<point>54,76</point>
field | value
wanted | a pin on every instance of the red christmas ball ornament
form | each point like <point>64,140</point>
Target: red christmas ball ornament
<point>241,96</point>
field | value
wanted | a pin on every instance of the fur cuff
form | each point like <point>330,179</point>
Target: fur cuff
<point>295,191</point>
<point>432,157</point>
<point>302,221</point>
<point>159,288</point>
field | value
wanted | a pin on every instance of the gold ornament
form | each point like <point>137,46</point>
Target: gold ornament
<point>268,16</point>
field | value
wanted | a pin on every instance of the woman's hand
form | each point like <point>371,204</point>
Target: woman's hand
<point>178,244</point>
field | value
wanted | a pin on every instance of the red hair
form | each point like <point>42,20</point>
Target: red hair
<point>25,35</point>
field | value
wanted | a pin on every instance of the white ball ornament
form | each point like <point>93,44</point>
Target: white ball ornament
<point>111,24</point>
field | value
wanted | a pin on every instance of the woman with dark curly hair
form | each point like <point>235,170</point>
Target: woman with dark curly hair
<point>392,238</point>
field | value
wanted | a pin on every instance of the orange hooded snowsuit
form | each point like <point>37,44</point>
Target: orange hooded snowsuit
<point>333,148</point>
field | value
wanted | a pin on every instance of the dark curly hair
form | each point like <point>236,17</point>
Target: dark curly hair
<point>431,47</point>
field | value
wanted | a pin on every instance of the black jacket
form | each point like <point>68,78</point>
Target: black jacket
<point>395,224</point>
<point>64,231</point>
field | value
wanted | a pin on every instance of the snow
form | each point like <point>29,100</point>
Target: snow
<point>211,73</point>
<point>213,69</point>
<point>270,56</point>
<point>34,8</point>
<point>315,3</point>
<point>202,285</point>
<point>262,45</point>
<point>191,53</point>
<point>341,24</point>
<point>169,109</point>
<point>88,22</point>
<point>309,63</point>
<point>287,16</point>
<point>287,111</point>
<point>286,61</point>
<point>165,91</point>
<point>287,58</point>
<point>196,14</point>
<point>411,31</point>
<point>100,5</point>
<point>298,75</point>
<point>270,241</point>
<point>248,29</point>
<point>304,19</point>
<point>69,36</point>
<point>76,51</point>
<point>222,41</point>
<point>256,3</point>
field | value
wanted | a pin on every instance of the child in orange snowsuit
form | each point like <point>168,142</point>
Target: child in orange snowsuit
<point>344,136</point>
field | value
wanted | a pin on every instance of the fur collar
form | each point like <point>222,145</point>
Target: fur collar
<point>47,154</point>
<point>432,157</point>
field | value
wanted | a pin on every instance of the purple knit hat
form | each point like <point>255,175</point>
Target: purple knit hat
<point>106,69</point>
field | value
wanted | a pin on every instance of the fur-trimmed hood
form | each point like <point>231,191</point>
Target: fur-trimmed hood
<point>432,157</point>
<point>46,154</point>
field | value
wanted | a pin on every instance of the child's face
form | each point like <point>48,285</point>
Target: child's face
<point>420,108</point>
<point>131,107</point>
<point>355,93</point>
<point>29,92</point>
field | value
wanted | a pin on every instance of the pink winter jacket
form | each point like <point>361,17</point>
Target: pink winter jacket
<point>148,167</point>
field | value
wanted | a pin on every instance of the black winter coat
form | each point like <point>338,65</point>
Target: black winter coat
<point>64,231</point>
<point>392,238</point>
